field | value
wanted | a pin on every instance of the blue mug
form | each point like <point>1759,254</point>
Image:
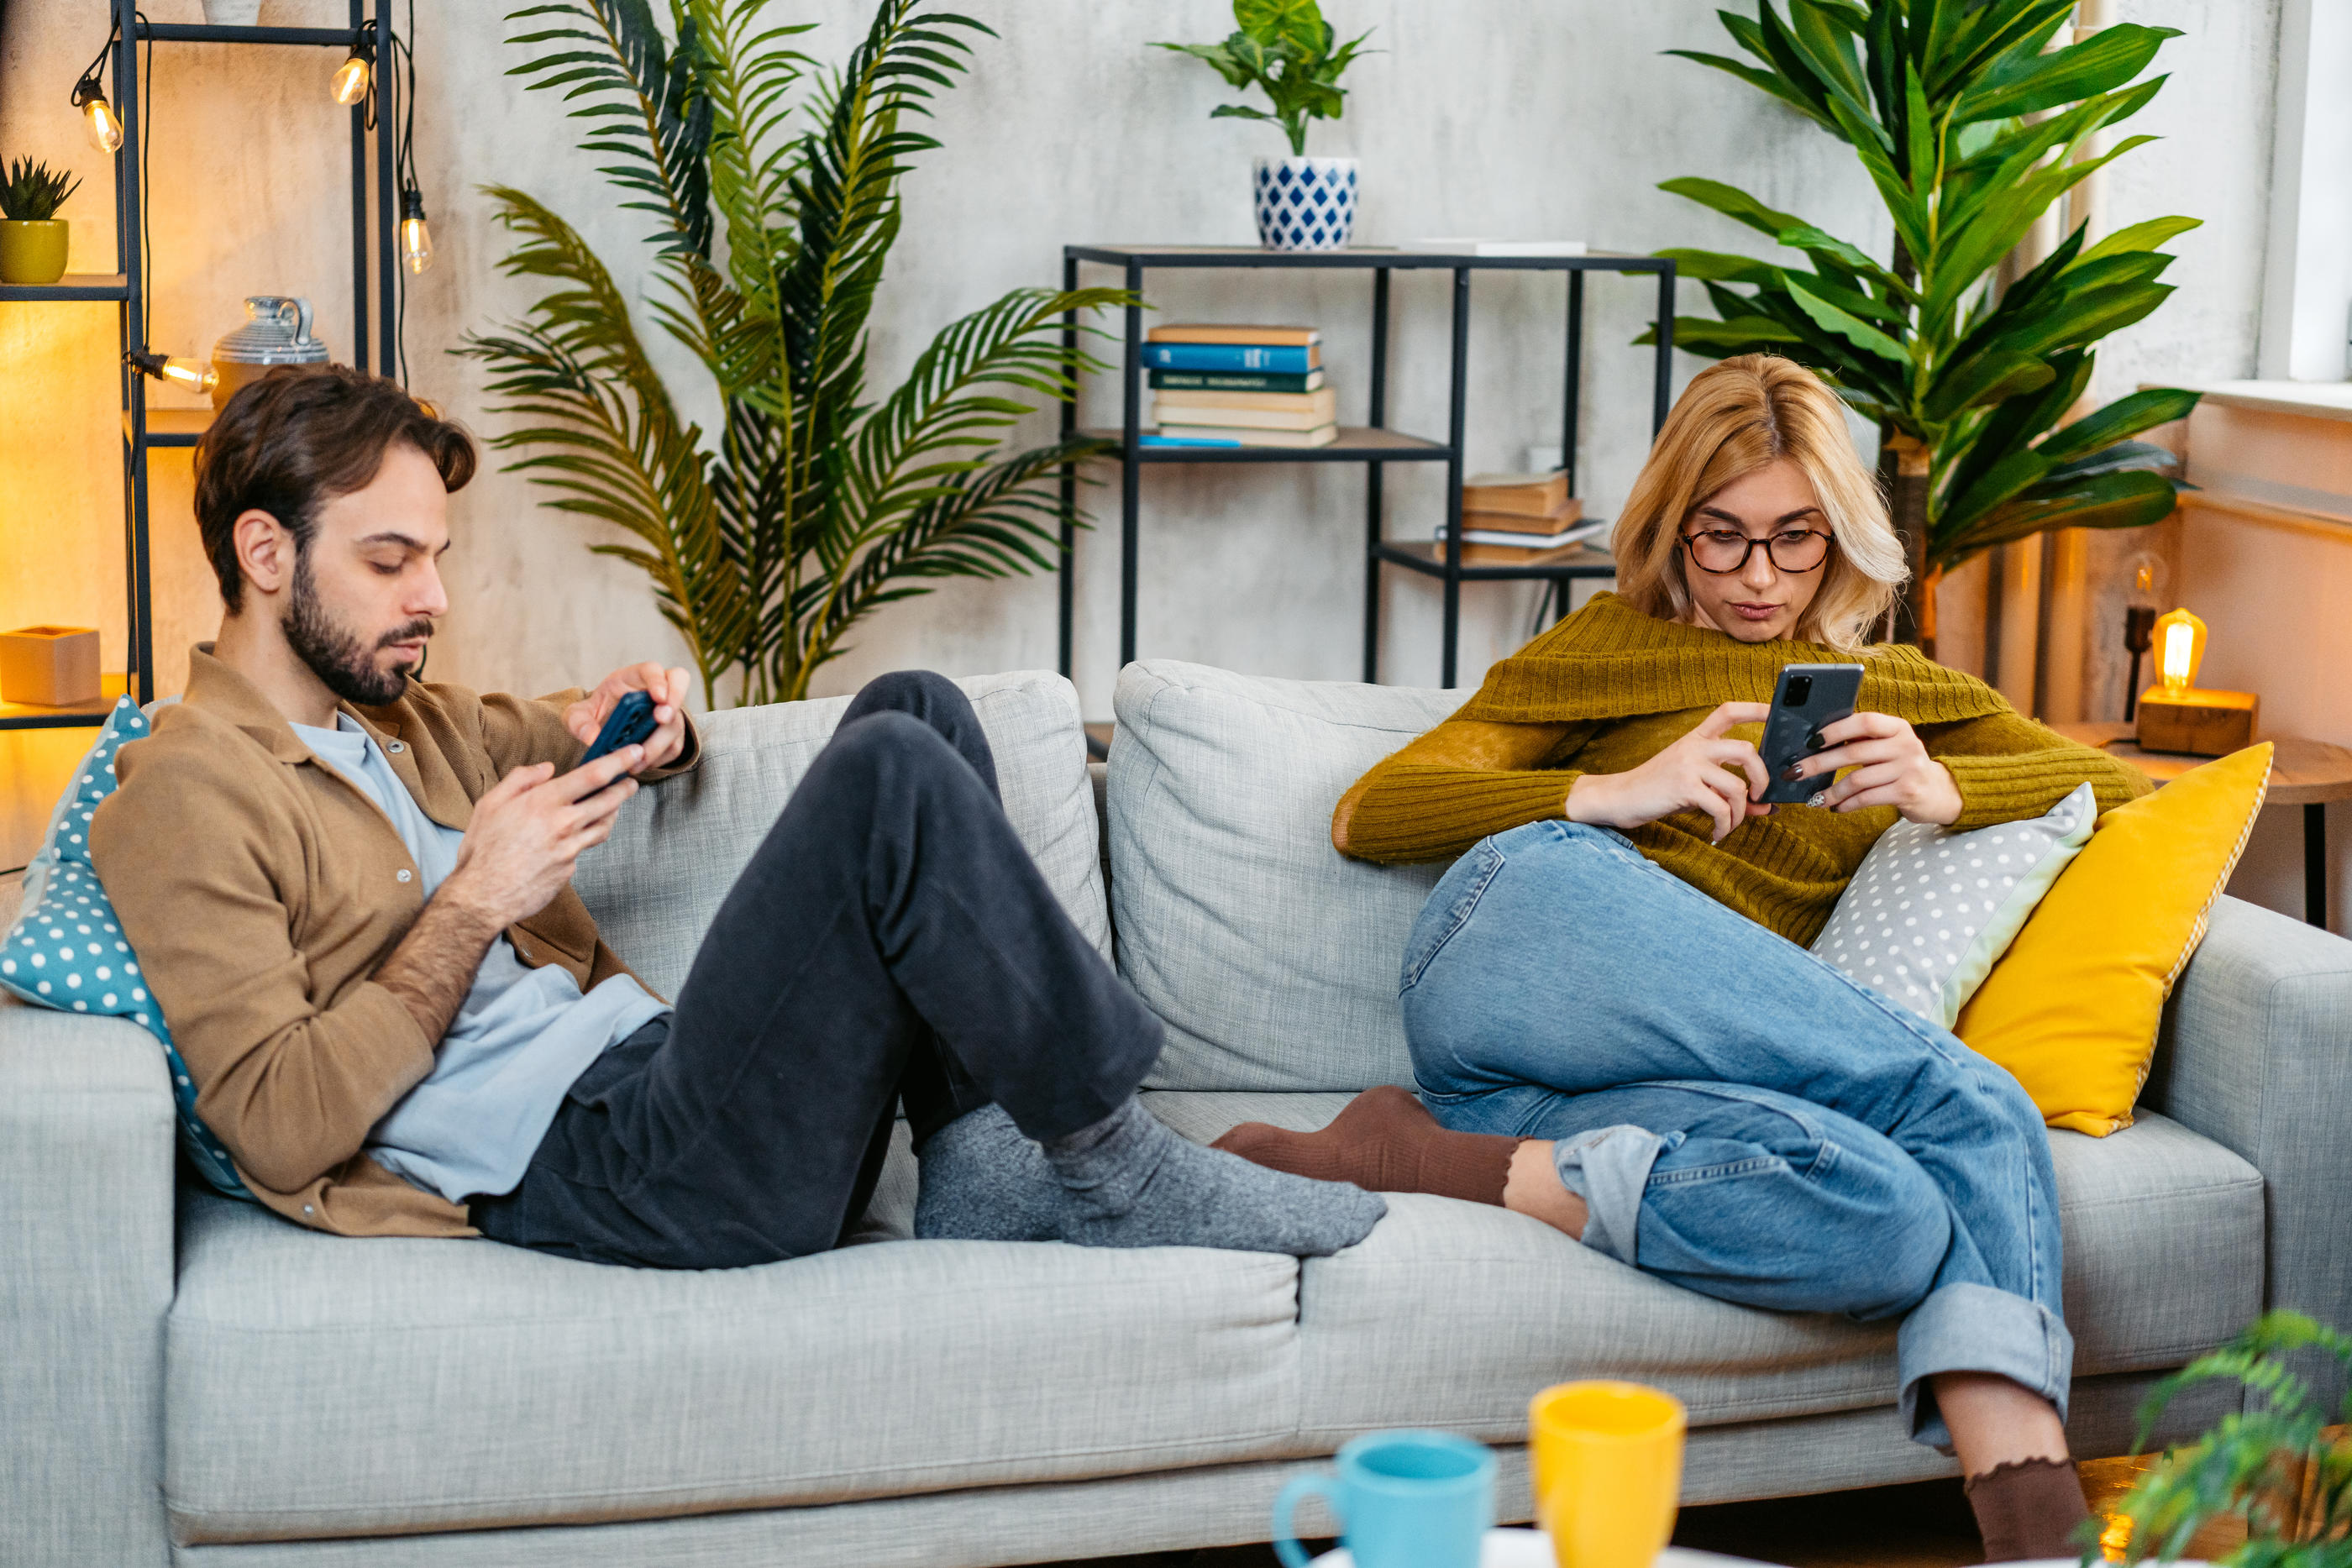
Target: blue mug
<point>1402,1500</point>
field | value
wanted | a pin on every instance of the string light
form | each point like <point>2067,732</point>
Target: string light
<point>105,125</point>
<point>416,238</point>
<point>355,78</point>
<point>187,374</point>
<point>90,98</point>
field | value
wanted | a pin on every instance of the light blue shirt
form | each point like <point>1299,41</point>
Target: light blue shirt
<point>522,1037</point>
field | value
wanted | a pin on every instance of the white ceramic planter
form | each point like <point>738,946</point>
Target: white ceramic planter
<point>1304,204</point>
<point>232,12</point>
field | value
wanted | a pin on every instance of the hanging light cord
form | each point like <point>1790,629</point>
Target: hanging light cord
<point>366,39</point>
<point>90,74</point>
<point>403,167</point>
<point>146,222</point>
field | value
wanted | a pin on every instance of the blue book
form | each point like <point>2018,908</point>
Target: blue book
<point>1187,440</point>
<point>1227,356</point>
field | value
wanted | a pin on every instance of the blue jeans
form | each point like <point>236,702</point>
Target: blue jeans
<point>1740,1118</point>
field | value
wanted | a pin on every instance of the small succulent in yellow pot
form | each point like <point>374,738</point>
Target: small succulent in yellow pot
<point>32,236</point>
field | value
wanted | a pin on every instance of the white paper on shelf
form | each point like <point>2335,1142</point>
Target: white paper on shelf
<point>1505,247</point>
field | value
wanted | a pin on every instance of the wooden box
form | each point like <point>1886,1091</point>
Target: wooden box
<point>2200,722</point>
<point>53,666</point>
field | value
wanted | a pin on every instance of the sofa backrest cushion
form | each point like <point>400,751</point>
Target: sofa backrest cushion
<point>1272,957</point>
<point>678,846</point>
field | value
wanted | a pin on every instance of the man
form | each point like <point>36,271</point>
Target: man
<point>351,894</point>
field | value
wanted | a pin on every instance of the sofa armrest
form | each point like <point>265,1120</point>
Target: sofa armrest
<point>2257,1055</point>
<point>86,1169</point>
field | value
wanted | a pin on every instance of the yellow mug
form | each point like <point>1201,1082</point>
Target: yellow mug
<point>1607,1462</point>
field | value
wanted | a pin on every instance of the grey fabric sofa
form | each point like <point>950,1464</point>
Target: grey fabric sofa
<point>194,1380</point>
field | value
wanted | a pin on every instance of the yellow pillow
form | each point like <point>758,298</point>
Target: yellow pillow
<point>2071,1008</point>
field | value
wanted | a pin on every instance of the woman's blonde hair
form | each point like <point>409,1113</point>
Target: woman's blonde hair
<point>1736,417</point>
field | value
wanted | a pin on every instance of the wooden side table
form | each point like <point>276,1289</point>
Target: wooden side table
<point>2305,773</point>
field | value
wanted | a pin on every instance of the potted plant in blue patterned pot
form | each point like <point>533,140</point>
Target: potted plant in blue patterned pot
<point>1287,50</point>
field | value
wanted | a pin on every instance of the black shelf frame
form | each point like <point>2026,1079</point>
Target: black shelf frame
<point>1373,445</point>
<point>372,248</point>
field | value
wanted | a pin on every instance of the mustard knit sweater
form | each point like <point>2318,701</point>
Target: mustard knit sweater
<point>1628,684</point>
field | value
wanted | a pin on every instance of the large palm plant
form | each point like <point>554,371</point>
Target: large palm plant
<point>1971,126</point>
<point>811,505</point>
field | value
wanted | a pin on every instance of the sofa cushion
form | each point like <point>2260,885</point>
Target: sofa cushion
<point>318,1385</point>
<point>655,883</point>
<point>1272,957</point>
<point>1450,1314</point>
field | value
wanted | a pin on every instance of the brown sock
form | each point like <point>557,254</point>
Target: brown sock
<point>2028,1508</point>
<point>1385,1141</point>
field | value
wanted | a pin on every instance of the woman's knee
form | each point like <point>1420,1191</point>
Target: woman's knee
<point>1911,1238</point>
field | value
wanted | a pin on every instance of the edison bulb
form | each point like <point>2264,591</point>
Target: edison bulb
<point>105,125</point>
<point>188,373</point>
<point>2180,649</point>
<point>196,375</point>
<point>350,83</point>
<point>2180,642</point>
<point>416,238</point>
<point>2145,576</point>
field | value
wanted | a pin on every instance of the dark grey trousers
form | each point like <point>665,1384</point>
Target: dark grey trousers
<point>890,942</point>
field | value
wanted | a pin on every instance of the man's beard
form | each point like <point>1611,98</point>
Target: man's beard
<point>337,657</point>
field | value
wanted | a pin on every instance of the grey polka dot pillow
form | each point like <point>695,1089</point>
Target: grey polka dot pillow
<point>1931,911</point>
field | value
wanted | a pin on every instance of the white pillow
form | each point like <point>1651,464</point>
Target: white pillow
<point>1930,910</point>
<point>1272,956</point>
<point>677,847</point>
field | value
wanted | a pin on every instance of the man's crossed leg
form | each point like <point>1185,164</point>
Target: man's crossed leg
<point>892,943</point>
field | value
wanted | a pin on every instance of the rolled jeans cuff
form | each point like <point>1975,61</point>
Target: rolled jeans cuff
<point>1976,1328</point>
<point>1608,1168</point>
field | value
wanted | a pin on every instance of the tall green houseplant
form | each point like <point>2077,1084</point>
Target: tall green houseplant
<point>815,503</point>
<point>1971,126</point>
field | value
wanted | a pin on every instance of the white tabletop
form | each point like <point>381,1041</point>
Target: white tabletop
<point>1532,1549</point>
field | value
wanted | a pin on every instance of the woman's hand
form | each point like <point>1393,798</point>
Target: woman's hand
<point>1696,773</point>
<point>1891,767</point>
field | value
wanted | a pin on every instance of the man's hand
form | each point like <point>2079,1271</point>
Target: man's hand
<point>1891,767</point>
<point>1696,773</point>
<point>528,833</point>
<point>585,717</point>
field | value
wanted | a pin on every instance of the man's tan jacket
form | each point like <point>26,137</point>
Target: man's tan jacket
<point>261,890</point>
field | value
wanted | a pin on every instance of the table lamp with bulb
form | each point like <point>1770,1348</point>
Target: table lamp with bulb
<point>2176,714</point>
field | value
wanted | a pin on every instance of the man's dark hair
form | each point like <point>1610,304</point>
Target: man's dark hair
<point>299,436</point>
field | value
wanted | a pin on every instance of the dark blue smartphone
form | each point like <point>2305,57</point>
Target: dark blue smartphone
<point>631,720</point>
<point>1807,699</point>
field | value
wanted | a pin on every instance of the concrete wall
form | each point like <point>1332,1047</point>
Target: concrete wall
<point>1495,115</point>
<point>1506,116</point>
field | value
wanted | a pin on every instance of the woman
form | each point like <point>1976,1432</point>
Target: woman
<point>1608,1001</point>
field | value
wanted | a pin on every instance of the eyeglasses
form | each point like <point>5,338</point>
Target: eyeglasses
<point>1720,552</point>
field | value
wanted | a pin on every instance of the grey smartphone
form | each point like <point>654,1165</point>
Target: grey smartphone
<point>1807,699</point>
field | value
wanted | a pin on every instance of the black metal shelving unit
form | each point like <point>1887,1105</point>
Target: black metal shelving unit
<point>372,246</point>
<point>1374,445</point>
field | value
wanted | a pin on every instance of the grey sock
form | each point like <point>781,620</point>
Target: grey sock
<point>981,1181</point>
<point>1132,1181</point>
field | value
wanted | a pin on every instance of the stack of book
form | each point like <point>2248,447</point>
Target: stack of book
<point>1514,520</point>
<point>1240,386</point>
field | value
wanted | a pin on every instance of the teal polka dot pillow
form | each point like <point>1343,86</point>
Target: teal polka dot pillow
<point>67,949</point>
